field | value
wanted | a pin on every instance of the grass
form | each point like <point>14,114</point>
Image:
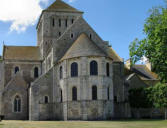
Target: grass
<point>85,124</point>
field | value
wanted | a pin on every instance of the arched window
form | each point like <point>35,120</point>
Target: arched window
<point>61,72</point>
<point>94,92</point>
<point>16,69</point>
<point>17,104</point>
<point>93,68</point>
<point>74,93</point>
<point>35,72</point>
<point>108,69</point>
<point>46,99</point>
<point>108,93</point>
<point>61,95</point>
<point>74,69</point>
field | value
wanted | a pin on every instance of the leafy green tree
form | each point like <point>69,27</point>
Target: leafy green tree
<point>158,96</point>
<point>138,98</point>
<point>154,45</point>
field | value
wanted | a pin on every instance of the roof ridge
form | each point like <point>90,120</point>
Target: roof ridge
<point>60,5</point>
<point>19,46</point>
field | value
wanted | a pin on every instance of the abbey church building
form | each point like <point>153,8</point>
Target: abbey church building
<point>72,73</point>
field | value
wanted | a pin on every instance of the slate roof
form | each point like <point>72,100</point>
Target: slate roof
<point>83,46</point>
<point>143,72</point>
<point>59,5</point>
<point>114,55</point>
<point>31,53</point>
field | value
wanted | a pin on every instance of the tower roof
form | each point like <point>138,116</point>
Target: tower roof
<point>59,5</point>
<point>83,46</point>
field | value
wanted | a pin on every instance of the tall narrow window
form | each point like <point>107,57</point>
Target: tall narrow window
<point>16,69</point>
<point>36,72</point>
<point>17,104</point>
<point>59,22</point>
<point>46,99</point>
<point>74,93</point>
<point>61,96</point>
<point>72,35</point>
<point>108,93</point>
<point>72,21</point>
<point>90,36</point>
<point>93,68</point>
<point>66,22</point>
<point>94,92</point>
<point>115,99</point>
<point>53,22</point>
<point>74,69</point>
<point>61,72</point>
<point>108,69</point>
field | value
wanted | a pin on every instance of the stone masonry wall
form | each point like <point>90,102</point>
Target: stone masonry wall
<point>39,89</point>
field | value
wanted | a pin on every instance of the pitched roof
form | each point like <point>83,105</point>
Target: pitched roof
<point>31,53</point>
<point>114,55</point>
<point>59,5</point>
<point>144,72</point>
<point>83,46</point>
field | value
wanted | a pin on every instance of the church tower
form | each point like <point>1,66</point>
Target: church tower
<point>53,23</point>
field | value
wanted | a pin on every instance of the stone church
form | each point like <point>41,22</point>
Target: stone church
<point>72,74</point>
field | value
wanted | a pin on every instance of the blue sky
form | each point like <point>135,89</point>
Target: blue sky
<point>116,21</point>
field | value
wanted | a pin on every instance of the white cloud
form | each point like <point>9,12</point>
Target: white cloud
<point>21,13</point>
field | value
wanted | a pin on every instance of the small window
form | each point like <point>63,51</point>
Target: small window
<point>59,33</point>
<point>115,99</point>
<point>66,22</point>
<point>108,69</point>
<point>90,36</point>
<point>36,72</point>
<point>74,93</point>
<point>108,93</point>
<point>72,21</point>
<point>72,35</point>
<point>16,69</point>
<point>61,96</point>
<point>61,72</point>
<point>74,69</point>
<point>46,100</point>
<point>59,22</point>
<point>17,104</point>
<point>94,92</point>
<point>53,22</point>
<point>93,68</point>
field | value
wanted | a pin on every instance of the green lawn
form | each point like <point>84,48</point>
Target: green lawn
<point>85,124</point>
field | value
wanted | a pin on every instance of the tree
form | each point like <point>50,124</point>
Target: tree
<point>138,98</point>
<point>158,96</point>
<point>154,45</point>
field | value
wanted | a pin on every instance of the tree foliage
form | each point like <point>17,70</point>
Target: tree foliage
<point>138,98</point>
<point>158,95</point>
<point>154,45</point>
